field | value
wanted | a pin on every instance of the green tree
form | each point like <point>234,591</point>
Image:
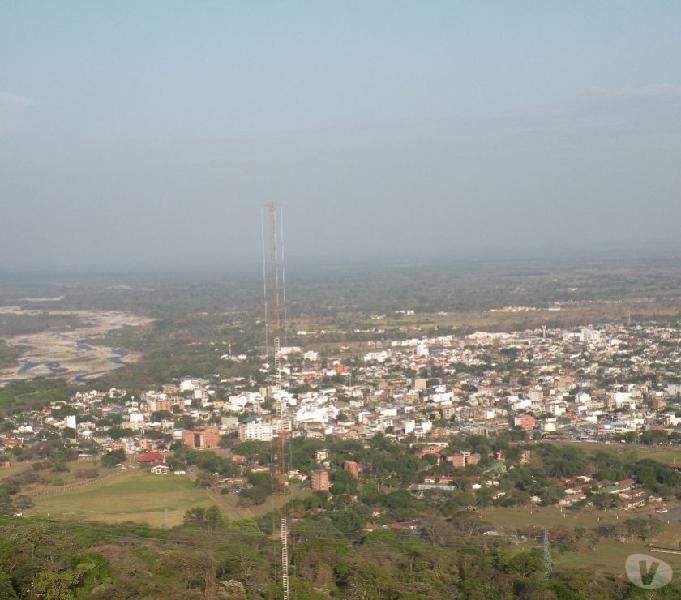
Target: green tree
<point>111,459</point>
<point>51,585</point>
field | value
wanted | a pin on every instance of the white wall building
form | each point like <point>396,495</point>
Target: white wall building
<point>261,432</point>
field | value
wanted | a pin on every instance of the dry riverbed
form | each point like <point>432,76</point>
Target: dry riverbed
<point>68,353</point>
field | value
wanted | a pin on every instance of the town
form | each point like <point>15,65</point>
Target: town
<point>340,300</point>
<point>465,410</point>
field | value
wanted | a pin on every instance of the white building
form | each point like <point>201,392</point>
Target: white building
<point>261,432</point>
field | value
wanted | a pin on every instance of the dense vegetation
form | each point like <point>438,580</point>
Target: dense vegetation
<point>32,394</point>
<point>209,558</point>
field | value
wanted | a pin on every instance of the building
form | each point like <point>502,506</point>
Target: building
<point>12,442</point>
<point>151,458</point>
<point>352,467</point>
<point>261,432</point>
<point>659,403</point>
<point>526,422</point>
<point>230,423</point>
<point>430,450</point>
<point>199,439</point>
<point>463,460</point>
<point>320,481</point>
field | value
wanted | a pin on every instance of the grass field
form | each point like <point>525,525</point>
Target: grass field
<point>140,497</point>
<point>662,454</point>
<point>607,555</point>
<point>549,516</point>
<point>610,555</point>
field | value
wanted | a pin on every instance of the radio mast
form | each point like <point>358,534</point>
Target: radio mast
<point>548,563</point>
<point>274,287</point>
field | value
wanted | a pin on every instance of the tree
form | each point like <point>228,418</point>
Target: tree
<point>161,415</point>
<point>117,433</point>
<point>654,437</point>
<point>7,591</point>
<point>50,585</point>
<point>111,459</point>
<point>643,528</point>
<point>203,480</point>
<point>194,515</point>
<point>343,483</point>
<point>213,517</point>
<point>524,563</point>
<point>210,517</point>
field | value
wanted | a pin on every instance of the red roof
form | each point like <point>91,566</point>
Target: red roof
<point>151,457</point>
<point>627,481</point>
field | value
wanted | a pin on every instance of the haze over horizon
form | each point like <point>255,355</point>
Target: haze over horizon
<point>150,134</point>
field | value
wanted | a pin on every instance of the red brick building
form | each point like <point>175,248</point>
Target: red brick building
<point>201,438</point>
<point>12,442</point>
<point>320,481</point>
<point>352,467</point>
<point>463,459</point>
<point>525,422</point>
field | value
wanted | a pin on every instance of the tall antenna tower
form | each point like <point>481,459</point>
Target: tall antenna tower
<point>274,275</point>
<point>548,563</point>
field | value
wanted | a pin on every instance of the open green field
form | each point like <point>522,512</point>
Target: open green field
<point>610,555</point>
<point>548,516</point>
<point>140,497</point>
<point>607,554</point>
<point>661,454</point>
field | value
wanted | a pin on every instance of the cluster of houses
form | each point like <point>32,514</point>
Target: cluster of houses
<point>628,493</point>
<point>591,383</point>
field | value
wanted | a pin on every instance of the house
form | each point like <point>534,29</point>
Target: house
<point>151,458</point>
<point>160,469</point>
<point>631,499</point>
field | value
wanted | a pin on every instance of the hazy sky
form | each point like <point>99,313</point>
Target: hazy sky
<point>151,132</point>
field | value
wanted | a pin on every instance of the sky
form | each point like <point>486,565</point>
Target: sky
<point>149,134</point>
